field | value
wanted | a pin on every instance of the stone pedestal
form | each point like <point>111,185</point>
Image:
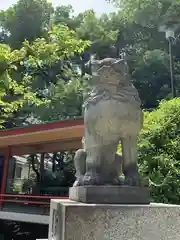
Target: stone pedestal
<point>110,194</point>
<point>78,221</point>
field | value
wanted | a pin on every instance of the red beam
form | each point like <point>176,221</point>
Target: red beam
<point>3,200</point>
<point>31,196</point>
<point>25,202</point>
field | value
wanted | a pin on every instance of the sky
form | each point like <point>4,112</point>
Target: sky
<point>99,6</point>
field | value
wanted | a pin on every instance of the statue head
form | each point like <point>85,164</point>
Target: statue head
<point>110,71</point>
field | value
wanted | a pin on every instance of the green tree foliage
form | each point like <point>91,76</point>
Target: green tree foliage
<point>151,76</point>
<point>159,151</point>
<point>14,93</point>
<point>60,79</point>
<point>19,91</point>
<point>26,20</point>
<point>133,30</point>
<point>98,32</point>
<point>141,36</point>
<point>64,14</point>
<point>150,12</point>
<point>65,100</point>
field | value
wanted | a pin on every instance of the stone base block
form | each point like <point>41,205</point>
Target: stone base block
<point>72,220</point>
<point>110,194</point>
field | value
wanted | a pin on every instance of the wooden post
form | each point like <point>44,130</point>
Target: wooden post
<point>4,175</point>
<point>42,166</point>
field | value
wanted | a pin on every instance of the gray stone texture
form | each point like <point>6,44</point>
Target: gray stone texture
<point>110,194</point>
<point>112,115</point>
<point>77,221</point>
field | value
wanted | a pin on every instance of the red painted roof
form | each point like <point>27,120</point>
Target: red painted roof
<point>41,127</point>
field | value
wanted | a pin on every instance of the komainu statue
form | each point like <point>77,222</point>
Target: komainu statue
<point>112,115</point>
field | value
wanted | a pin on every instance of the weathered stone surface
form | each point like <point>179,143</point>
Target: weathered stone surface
<point>110,194</point>
<point>78,221</point>
<point>112,114</point>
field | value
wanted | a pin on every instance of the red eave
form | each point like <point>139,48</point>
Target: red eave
<point>61,135</point>
<point>41,127</point>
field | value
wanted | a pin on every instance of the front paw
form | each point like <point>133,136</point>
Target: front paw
<point>118,181</point>
<point>93,179</point>
<point>132,176</point>
<point>134,181</point>
<point>78,182</point>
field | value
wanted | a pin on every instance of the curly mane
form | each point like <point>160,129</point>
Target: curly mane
<point>111,80</point>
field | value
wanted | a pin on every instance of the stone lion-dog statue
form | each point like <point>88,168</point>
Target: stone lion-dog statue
<point>112,115</point>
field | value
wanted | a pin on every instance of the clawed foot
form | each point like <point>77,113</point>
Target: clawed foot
<point>93,179</point>
<point>96,179</point>
<point>133,181</point>
<point>132,176</point>
<point>78,182</point>
<point>89,179</point>
<point>118,181</point>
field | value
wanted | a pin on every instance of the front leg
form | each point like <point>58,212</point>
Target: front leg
<point>94,167</point>
<point>107,167</point>
<point>80,166</point>
<point>116,171</point>
<point>130,166</point>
